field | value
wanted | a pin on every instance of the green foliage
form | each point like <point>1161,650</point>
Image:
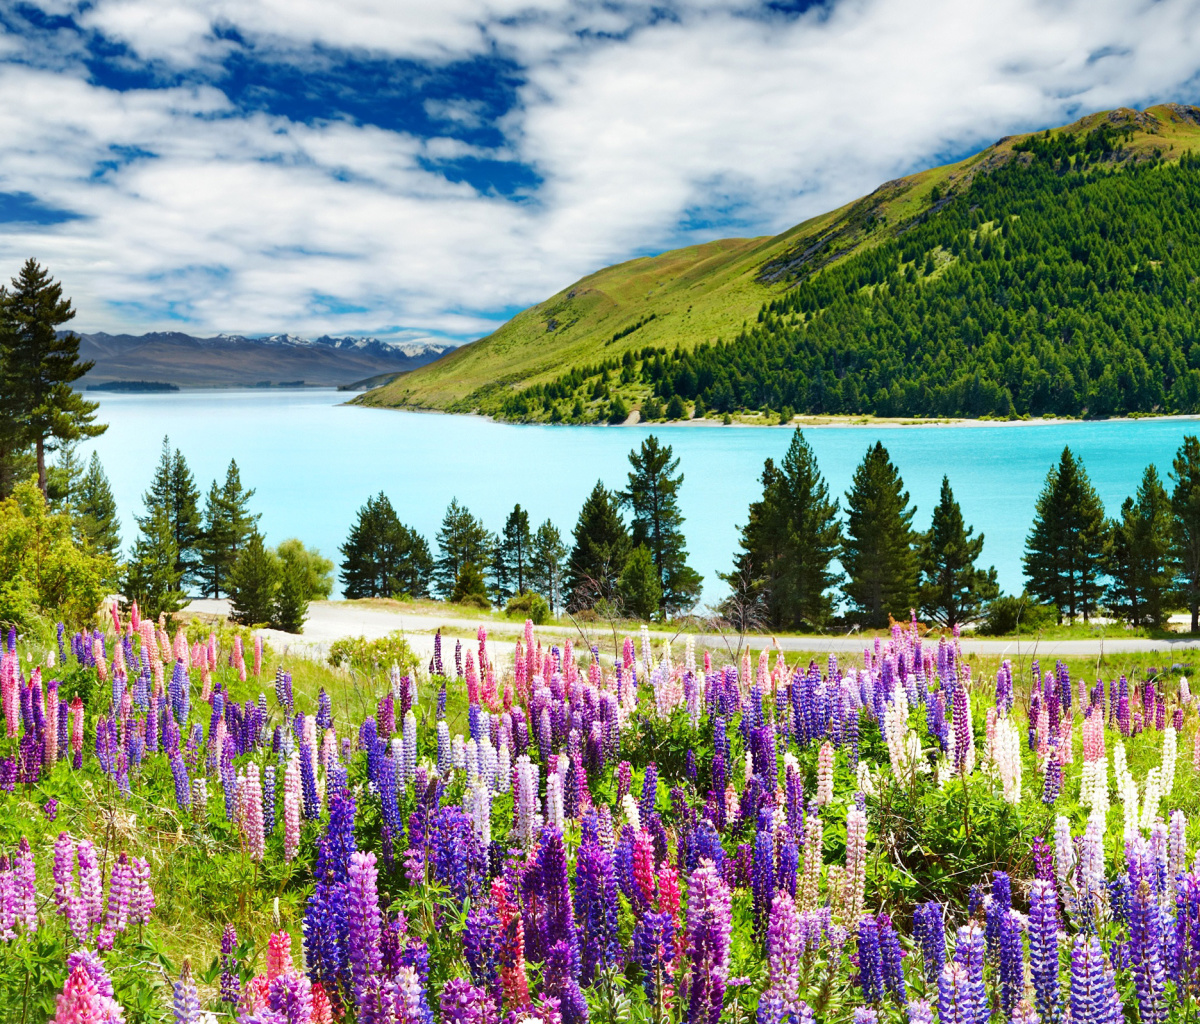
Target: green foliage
<point>676,410</point>
<point>639,585</point>
<point>372,656</point>
<point>173,494</point>
<point>652,496</point>
<point>528,605</point>
<point>1185,506</point>
<point>42,571</point>
<point>1139,555</point>
<point>295,586</point>
<point>1065,551</point>
<point>254,583</point>
<point>96,517</point>
<point>313,568</point>
<point>547,556</point>
<point>652,409</point>
<point>601,547</point>
<point>153,577</point>
<point>382,557</point>
<point>619,410</point>
<point>512,556</point>
<point>790,541</point>
<point>462,540</point>
<point>1022,614</point>
<point>953,591</point>
<point>878,550</point>
<point>470,587</point>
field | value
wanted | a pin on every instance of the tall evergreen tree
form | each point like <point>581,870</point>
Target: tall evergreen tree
<point>382,557</point>
<point>1065,550</point>
<point>173,491</point>
<point>64,478</point>
<point>1139,554</point>
<point>253,582</point>
<point>790,541</point>
<point>879,550</point>
<point>228,524</point>
<point>653,498</point>
<point>547,557</point>
<point>41,365</point>
<point>295,589</point>
<point>639,587</point>
<point>462,540</point>
<point>153,577</point>
<point>953,590</point>
<point>511,558</point>
<point>1185,506</point>
<point>96,511</point>
<point>601,547</point>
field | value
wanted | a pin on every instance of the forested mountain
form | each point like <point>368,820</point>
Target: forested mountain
<point>1054,273</point>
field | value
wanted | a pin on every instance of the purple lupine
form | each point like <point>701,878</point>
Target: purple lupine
<point>929,930</point>
<point>763,879</point>
<point>956,1004</point>
<point>709,924</point>
<point>1012,963</point>
<point>363,919</point>
<point>555,891</point>
<point>653,941</point>
<point>596,903</point>
<point>463,1003</point>
<point>1145,946</point>
<point>1043,947</point>
<point>649,790</point>
<point>969,952</point>
<point>481,947</point>
<point>891,959</point>
<point>231,982</point>
<point>1052,784</point>
<point>1043,859</point>
<point>1094,998</point>
<point>186,1002</point>
<point>290,996</point>
<point>870,965</point>
<point>919,1011</point>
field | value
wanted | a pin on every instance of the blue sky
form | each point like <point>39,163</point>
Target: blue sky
<point>423,170</point>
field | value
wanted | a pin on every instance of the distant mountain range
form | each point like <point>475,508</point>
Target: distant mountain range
<point>233,360</point>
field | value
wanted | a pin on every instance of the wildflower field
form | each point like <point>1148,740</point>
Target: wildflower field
<point>190,831</point>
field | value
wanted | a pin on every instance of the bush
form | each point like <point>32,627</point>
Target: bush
<point>1009,614</point>
<point>254,583</point>
<point>528,606</point>
<point>652,409</point>
<point>676,410</point>
<point>365,655</point>
<point>640,587</point>
<point>619,412</point>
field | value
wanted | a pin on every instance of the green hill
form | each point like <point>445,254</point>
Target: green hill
<point>1050,273</point>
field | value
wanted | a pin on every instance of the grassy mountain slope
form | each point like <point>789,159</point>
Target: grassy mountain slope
<point>559,359</point>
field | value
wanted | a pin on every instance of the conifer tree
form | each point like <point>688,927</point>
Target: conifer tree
<point>1140,567</point>
<point>547,556</point>
<point>599,553</point>
<point>878,552</point>
<point>790,541</point>
<point>462,540</point>
<point>953,591</point>
<point>382,557</point>
<point>1065,549</point>
<point>640,590</point>
<point>653,498</point>
<point>1185,507</point>
<point>291,600</point>
<point>511,559</point>
<point>253,582</point>
<point>173,491</point>
<point>96,511</point>
<point>153,578</point>
<point>64,478</point>
<point>40,365</point>
<point>228,524</point>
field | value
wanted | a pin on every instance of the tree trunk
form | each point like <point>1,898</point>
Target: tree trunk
<point>41,464</point>
<point>1195,616</point>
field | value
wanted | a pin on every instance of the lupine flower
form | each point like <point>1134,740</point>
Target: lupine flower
<point>709,924</point>
<point>1094,997</point>
<point>186,1003</point>
<point>1043,947</point>
<point>870,965</point>
<point>231,985</point>
<point>955,996</point>
<point>363,917</point>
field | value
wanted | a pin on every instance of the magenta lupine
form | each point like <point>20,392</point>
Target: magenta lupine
<point>783,949</point>
<point>116,912</point>
<point>24,888</point>
<point>363,918</point>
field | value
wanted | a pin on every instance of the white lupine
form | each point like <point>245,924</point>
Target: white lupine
<point>1129,800</point>
<point>866,784</point>
<point>1177,845</point>
<point>749,767</point>
<point>458,752</point>
<point>632,815</point>
<point>526,799</point>
<point>1064,853</point>
<point>410,748</point>
<point>489,765</point>
<point>554,798</point>
<point>1152,798</point>
<point>477,802</point>
<point>1185,694</point>
<point>1008,759</point>
<point>503,769</point>
<point>1169,754</point>
<point>471,760</point>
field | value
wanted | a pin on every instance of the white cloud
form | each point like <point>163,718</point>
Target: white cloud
<point>252,222</point>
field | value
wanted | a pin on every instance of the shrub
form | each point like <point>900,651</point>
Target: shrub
<point>1009,614</point>
<point>676,410</point>
<point>365,655</point>
<point>619,411</point>
<point>528,606</point>
<point>652,409</point>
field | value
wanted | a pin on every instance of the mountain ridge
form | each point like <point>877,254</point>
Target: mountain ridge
<point>708,292</point>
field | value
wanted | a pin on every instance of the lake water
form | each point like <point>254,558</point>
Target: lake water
<point>313,462</point>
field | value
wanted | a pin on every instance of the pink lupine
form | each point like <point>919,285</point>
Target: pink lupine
<point>24,890</point>
<point>76,718</point>
<point>855,875</point>
<point>91,885</point>
<point>64,872</point>
<point>258,655</point>
<point>825,774</point>
<point>8,902</point>
<point>279,955</point>
<point>50,748</point>
<point>253,820</point>
<point>141,897</point>
<point>81,1002</point>
<point>291,810</point>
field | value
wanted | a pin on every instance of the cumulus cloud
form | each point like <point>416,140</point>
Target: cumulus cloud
<point>641,126</point>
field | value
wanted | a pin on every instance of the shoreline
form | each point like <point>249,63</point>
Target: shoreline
<point>807,421</point>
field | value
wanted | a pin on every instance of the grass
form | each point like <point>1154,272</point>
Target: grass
<point>703,292</point>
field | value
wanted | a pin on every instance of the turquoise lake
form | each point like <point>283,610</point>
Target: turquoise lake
<point>313,462</point>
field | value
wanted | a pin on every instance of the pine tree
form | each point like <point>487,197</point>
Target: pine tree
<point>546,564</point>
<point>511,558</point>
<point>1139,555</point>
<point>153,578</point>
<point>790,541</point>
<point>1185,507</point>
<point>639,587</point>
<point>173,491</point>
<point>953,591</point>
<point>41,365</point>
<point>653,498</point>
<point>228,524</point>
<point>462,540</point>
<point>253,582</point>
<point>1065,550</point>
<point>469,585</point>
<point>291,600</point>
<point>96,511</point>
<point>601,547</point>
<point>382,557</point>
<point>878,552</point>
<point>64,478</point>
